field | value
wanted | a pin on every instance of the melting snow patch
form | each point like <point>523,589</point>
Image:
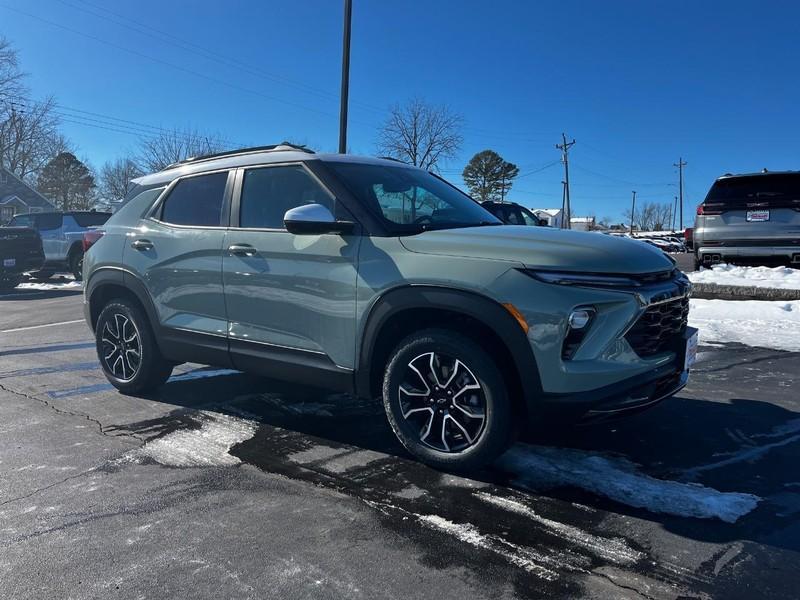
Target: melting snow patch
<point>202,374</point>
<point>67,285</point>
<point>614,550</point>
<point>207,446</point>
<point>763,277</point>
<point>759,323</point>
<point>539,467</point>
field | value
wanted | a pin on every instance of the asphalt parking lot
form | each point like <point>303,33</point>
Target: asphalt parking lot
<point>222,485</point>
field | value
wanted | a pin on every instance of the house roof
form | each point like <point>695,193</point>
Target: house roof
<point>550,211</point>
<point>11,185</point>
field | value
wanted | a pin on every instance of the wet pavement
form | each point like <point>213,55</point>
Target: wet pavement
<point>223,485</point>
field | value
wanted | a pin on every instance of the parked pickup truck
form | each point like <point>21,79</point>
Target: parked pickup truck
<point>20,252</point>
<point>62,238</point>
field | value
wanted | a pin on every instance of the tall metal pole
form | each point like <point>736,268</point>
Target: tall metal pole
<point>564,147</point>
<point>633,210</point>
<point>348,14</point>
<point>681,163</point>
<point>674,213</point>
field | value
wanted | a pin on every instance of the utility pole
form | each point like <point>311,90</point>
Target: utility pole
<point>633,210</point>
<point>674,213</point>
<point>681,163</point>
<point>563,202</point>
<point>564,147</point>
<point>348,14</point>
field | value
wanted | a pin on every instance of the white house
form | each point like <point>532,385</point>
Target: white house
<point>552,216</point>
<point>582,223</point>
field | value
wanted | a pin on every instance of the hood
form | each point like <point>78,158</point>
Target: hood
<point>544,247</point>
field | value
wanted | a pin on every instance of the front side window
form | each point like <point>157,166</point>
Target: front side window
<point>196,201</point>
<point>21,221</point>
<point>411,200</point>
<point>267,193</point>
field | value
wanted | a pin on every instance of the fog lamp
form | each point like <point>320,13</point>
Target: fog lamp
<point>578,319</point>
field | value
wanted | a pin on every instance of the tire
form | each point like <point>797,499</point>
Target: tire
<point>126,373</point>
<point>76,264</point>
<point>8,284</point>
<point>476,443</point>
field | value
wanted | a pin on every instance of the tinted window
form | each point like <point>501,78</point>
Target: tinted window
<point>529,217</point>
<point>196,201</point>
<point>756,187</point>
<point>90,219</point>
<point>48,221</point>
<point>269,192</point>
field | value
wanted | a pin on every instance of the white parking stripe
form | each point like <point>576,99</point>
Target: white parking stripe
<point>40,326</point>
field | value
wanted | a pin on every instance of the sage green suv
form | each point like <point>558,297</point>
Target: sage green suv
<point>376,278</point>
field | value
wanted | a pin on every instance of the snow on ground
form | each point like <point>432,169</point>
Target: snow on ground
<point>765,324</point>
<point>542,468</point>
<point>204,447</point>
<point>763,277</point>
<point>67,284</point>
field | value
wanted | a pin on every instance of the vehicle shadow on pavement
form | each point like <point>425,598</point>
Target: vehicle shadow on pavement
<point>24,294</point>
<point>743,446</point>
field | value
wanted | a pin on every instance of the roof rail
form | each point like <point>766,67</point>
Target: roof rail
<point>393,158</point>
<point>282,147</point>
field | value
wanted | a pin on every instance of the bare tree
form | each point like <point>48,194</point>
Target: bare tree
<point>115,179</point>
<point>175,145</point>
<point>651,216</point>
<point>421,134</point>
<point>29,137</point>
<point>10,74</point>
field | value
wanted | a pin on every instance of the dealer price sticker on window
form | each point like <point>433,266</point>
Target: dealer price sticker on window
<point>757,215</point>
<point>9,262</point>
<point>691,351</point>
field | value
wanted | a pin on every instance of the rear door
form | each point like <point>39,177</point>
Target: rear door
<point>176,252</point>
<point>288,296</point>
<point>755,208</point>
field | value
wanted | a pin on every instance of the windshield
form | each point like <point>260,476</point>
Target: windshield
<point>411,200</point>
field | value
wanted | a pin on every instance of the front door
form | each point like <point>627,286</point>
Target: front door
<point>289,297</point>
<point>177,254</point>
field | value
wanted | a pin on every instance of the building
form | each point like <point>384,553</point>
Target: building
<point>17,197</point>
<point>582,224</point>
<point>552,216</point>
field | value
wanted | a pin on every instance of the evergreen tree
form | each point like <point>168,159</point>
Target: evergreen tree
<point>488,176</point>
<point>67,182</point>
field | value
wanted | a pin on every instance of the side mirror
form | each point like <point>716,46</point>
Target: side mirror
<point>314,219</point>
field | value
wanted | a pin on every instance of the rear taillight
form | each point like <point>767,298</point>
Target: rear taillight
<point>90,237</point>
<point>706,209</point>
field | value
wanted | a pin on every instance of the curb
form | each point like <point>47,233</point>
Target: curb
<point>714,291</point>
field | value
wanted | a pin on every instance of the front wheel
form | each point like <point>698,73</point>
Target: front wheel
<point>127,349</point>
<point>446,401</point>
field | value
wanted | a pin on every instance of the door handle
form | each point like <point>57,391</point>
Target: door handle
<point>242,250</point>
<point>142,245</point>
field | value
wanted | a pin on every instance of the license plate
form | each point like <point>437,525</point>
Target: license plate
<point>691,351</point>
<point>9,262</point>
<point>758,215</point>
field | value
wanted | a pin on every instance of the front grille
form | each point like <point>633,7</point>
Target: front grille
<point>658,327</point>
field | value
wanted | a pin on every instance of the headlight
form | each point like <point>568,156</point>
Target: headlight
<point>585,280</point>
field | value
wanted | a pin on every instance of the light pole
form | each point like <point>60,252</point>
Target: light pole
<point>633,210</point>
<point>348,14</point>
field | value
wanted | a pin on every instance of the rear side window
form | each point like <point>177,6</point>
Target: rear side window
<point>196,201</point>
<point>90,219</point>
<point>48,221</point>
<point>267,194</point>
<point>21,221</point>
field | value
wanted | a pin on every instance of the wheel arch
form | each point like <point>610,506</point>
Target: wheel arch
<point>402,311</point>
<point>108,283</point>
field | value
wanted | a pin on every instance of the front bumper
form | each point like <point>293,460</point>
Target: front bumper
<point>625,397</point>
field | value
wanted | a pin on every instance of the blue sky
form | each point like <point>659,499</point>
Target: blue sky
<point>637,84</point>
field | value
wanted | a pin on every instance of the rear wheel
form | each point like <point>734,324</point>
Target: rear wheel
<point>446,401</point>
<point>127,349</point>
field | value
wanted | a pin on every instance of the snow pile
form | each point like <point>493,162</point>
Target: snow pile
<point>541,468</point>
<point>762,277</point>
<point>207,446</point>
<point>766,324</point>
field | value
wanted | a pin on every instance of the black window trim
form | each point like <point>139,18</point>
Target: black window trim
<point>154,214</point>
<point>235,216</point>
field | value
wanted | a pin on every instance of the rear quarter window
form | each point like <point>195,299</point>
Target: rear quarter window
<point>48,221</point>
<point>196,201</point>
<point>90,219</point>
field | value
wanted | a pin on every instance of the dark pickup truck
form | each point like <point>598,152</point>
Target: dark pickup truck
<point>20,252</point>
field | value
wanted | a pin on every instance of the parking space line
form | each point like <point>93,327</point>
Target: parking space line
<point>41,326</point>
